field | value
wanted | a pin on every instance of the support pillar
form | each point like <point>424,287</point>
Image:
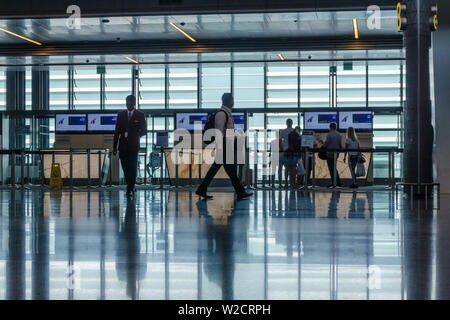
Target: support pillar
<point>417,160</point>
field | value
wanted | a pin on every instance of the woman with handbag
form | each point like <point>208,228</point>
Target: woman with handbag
<point>352,143</point>
<point>292,155</point>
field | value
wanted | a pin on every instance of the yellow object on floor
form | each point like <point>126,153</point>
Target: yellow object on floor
<point>55,177</point>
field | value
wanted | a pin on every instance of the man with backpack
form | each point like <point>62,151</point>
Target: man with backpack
<point>223,121</point>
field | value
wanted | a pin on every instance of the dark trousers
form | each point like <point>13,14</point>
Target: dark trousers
<point>230,169</point>
<point>331,168</point>
<point>128,161</point>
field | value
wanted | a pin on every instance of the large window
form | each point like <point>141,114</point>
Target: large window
<point>282,86</point>
<point>248,85</point>
<point>152,87</point>
<point>2,90</point>
<point>59,91</point>
<point>183,87</point>
<point>86,88</point>
<point>351,85</point>
<point>117,86</point>
<point>215,81</point>
<point>384,84</point>
<point>314,85</point>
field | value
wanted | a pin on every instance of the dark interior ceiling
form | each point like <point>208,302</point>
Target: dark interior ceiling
<point>276,31</point>
<point>99,8</point>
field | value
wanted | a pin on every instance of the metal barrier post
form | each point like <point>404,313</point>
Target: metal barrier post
<point>110,168</point>
<point>191,155</point>
<point>334,168</point>
<point>392,169</point>
<point>12,158</point>
<point>313,165</point>
<point>200,165</point>
<point>145,167</point>
<point>306,175</point>
<point>71,169</point>
<point>22,169</point>
<point>255,168</point>
<point>161,168</point>
<point>89,167</point>
<point>176,168</point>
<point>99,168</point>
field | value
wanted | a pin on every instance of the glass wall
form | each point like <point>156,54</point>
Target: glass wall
<point>183,87</point>
<point>282,86</point>
<point>59,91</point>
<point>118,85</point>
<point>152,87</point>
<point>315,85</point>
<point>86,88</point>
<point>215,80</point>
<point>2,90</point>
<point>351,85</point>
<point>248,86</point>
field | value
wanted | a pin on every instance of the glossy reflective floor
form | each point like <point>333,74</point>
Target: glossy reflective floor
<point>277,245</point>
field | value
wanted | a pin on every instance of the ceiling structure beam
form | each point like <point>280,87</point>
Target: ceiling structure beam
<point>101,8</point>
<point>205,46</point>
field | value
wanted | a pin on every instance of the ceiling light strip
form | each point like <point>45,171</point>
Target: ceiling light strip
<point>132,60</point>
<point>21,37</point>
<point>182,31</point>
<point>281,57</point>
<point>355,28</point>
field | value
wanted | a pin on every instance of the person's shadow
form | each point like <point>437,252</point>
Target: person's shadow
<point>219,257</point>
<point>131,265</point>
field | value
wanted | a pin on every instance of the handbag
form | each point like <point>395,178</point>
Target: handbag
<point>300,167</point>
<point>361,159</point>
<point>323,153</point>
<point>360,169</point>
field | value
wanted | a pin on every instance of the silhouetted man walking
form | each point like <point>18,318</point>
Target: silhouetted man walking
<point>130,127</point>
<point>223,121</point>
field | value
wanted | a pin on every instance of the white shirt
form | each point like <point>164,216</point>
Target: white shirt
<point>351,146</point>
<point>284,136</point>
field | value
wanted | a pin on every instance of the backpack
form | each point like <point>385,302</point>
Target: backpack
<point>210,124</point>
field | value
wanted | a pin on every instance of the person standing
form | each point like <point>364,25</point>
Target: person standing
<point>292,155</point>
<point>223,121</point>
<point>352,143</point>
<point>130,127</point>
<point>284,136</point>
<point>333,141</point>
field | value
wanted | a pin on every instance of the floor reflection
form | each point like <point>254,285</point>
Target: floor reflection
<point>170,245</point>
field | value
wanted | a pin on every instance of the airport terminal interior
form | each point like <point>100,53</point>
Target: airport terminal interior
<point>70,231</point>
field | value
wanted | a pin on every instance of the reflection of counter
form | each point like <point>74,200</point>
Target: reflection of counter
<point>183,167</point>
<point>79,164</point>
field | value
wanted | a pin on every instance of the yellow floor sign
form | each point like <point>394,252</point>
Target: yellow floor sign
<point>55,177</point>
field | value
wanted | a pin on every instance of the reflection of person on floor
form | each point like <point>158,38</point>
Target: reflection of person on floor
<point>222,238</point>
<point>334,203</point>
<point>131,265</point>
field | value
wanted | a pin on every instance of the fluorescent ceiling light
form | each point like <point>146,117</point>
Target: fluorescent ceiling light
<point>281,57</point>
<point>181,30</point>
<point>355,28</point>
<point>132,60</point>
<point>21,37</point>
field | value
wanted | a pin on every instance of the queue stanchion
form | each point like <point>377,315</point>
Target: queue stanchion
<point>145,169</point>
<point>110,168</point>
<point>335,168</point>
<point>12,158</point>
<point>22,169</point>
<point>71,168</point>
<point>176,169</point>
<point>161,172</point>
<point>99,168</point>
<point>200,166</point>
<point>306,175</point>
<point>89,167</point>
<point>191,154</point>
<point>313,167</point>
<point>41,161</point>
<point>392,169</point>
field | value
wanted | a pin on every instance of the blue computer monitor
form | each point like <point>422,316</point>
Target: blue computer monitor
<point>319,121</point>
<point>102,123</point>
<point>359,120</point>
<point>70,123</point>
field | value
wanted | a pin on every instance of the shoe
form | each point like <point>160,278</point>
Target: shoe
<point>244,195</point>
<point>203,195</point>
<point>354,186</point>
<point>330,186</point>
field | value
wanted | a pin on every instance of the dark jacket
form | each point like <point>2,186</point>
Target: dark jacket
<point>136,128</point>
